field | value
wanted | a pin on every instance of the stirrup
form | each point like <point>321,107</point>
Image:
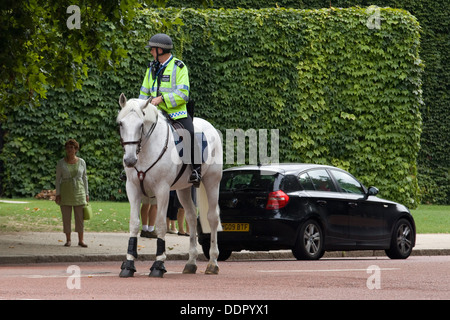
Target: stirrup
<point>195,178</point>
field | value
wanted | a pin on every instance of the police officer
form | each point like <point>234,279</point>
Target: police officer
<point>167,83</point>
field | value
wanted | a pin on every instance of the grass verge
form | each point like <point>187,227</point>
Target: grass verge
<point>43,215</point>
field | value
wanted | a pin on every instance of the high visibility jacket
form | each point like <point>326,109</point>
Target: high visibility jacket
<point>173,85</point>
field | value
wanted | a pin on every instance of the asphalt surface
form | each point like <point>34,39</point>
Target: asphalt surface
<point>239,283</point>
<point>37,247</point>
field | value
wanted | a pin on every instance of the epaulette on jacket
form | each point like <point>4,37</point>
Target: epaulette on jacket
<point>179,64</point>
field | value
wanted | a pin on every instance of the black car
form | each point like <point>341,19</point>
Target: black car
<point>309,209</point>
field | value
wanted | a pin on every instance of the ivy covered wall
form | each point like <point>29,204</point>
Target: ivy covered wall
<point>340,92</point>
<point>434,19</point>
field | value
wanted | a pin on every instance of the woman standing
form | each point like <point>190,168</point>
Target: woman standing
<point>72,190</point>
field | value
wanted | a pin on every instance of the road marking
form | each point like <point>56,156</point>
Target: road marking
<point>86,275</point>
<point>321,270</point>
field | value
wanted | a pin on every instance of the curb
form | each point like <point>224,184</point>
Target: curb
<point>235,256</point>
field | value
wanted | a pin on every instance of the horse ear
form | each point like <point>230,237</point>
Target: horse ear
<point>146,103</point>
<point>122,100</point>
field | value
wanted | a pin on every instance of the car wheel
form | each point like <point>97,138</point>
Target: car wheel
<point>223,254</point>
<point>309,244</point>
<point>402,240</point>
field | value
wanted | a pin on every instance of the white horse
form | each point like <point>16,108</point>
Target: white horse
<point>151,162</point>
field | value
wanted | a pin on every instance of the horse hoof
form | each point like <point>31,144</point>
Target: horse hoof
<point>128,269</point>
<point>212,269</point>
<point>157,270</point>
<point>190,269</point>
<point>155,273</point>
<point>125,273</point>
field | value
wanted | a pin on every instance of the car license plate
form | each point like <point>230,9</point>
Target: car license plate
<point>236,227</point>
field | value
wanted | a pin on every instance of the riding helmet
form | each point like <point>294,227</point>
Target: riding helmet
<point>160,40</point>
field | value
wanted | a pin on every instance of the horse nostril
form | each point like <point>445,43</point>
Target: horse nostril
<point>130,161</point>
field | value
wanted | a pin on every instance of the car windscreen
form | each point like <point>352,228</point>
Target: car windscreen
<point>247,180</point>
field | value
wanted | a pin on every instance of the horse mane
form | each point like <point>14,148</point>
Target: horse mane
<point>147,112</point>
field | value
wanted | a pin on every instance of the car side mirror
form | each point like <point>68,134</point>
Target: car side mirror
<point>372,191</point>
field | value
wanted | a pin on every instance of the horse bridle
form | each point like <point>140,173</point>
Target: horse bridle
<point>138,142</point>
<point>141,174</point>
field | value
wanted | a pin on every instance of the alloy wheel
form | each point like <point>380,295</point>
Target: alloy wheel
<point>404,238</point>
<point>311,239</point>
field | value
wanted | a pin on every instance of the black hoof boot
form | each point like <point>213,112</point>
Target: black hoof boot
<point>132,247</point>
<point>157,270</point>
<point>128,269</point>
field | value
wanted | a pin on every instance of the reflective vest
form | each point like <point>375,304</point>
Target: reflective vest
<point>173,85</point>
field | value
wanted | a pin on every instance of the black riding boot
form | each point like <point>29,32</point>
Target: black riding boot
<point>196,175</point>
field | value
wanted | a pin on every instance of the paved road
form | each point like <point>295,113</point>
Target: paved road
<point>30,247</point>
<point>419,277</point>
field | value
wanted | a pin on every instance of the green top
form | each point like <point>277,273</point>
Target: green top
<point>71,183</point>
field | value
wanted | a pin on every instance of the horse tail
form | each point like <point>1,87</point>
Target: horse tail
<point>203,207</point>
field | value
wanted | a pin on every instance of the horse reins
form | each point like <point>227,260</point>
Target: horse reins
<point>141,174</point>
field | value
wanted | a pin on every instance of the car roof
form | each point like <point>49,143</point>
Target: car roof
<point>283,168</point>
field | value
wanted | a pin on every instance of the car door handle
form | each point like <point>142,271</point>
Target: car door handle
<point>353,204</point>
<point>321,203</point>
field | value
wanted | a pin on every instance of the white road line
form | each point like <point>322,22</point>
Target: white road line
<point>87,275</point>
<point>321,270</point>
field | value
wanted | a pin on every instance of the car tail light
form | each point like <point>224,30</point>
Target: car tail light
<point>277,200</point>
